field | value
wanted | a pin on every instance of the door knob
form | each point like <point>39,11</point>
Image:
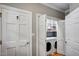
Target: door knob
<point>65,41</point>
<point>28,42</point>
<point>17,17</point>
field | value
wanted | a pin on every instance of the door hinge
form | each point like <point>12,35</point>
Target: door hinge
<point>17,17</point>
<point>65,41</point>
<point>0,42</point>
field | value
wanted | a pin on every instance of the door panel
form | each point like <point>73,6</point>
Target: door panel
<point>71,52</point>
<point>12,16</point>
<point>12,32</point>
<point>23,18</point>
<point>23,51</point>
<point>23,32</point>
<point>11,51</point>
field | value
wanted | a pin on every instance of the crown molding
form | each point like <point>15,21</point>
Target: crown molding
<point>53,7</point>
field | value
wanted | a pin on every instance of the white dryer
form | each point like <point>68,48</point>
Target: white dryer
<point>50,46</point>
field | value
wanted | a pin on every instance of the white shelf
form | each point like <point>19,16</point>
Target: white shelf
<point>51,38</point>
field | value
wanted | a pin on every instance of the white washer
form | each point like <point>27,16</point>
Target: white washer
<point>50,46</point>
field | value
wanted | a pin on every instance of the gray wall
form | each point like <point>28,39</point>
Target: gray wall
<point>37,8</point>
<point>73,6</point>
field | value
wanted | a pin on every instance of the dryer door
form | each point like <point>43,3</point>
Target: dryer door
<point>48,46</point>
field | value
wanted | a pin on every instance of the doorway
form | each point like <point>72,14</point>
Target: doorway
<point>41,34</point>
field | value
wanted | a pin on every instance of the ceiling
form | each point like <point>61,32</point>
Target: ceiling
<point>62,7</point>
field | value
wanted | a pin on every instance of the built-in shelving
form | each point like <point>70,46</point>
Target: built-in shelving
<point>51,28</point>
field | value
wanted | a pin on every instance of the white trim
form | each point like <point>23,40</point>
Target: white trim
<point>53,7</point>
<point>30,34</point>
<point>37,15</point>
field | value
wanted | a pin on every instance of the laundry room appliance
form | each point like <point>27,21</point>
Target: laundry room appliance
<point>50,46</point>
<point>51,29</point>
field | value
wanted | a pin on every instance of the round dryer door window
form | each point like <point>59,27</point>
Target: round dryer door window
<point>48,46</point>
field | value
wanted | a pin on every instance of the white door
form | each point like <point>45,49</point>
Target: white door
<point>60,37</point>
<point>72,37</point>
<point>16,36</point>
<point>25,35</point>
<point>42,35</point>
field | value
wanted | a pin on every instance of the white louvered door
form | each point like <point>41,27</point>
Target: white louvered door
<point>42,35</point>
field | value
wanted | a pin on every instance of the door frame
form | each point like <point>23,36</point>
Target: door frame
<point>37,38</point>
<point>25,11</point>
<point>62,21</point>
<point>37,50</point>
